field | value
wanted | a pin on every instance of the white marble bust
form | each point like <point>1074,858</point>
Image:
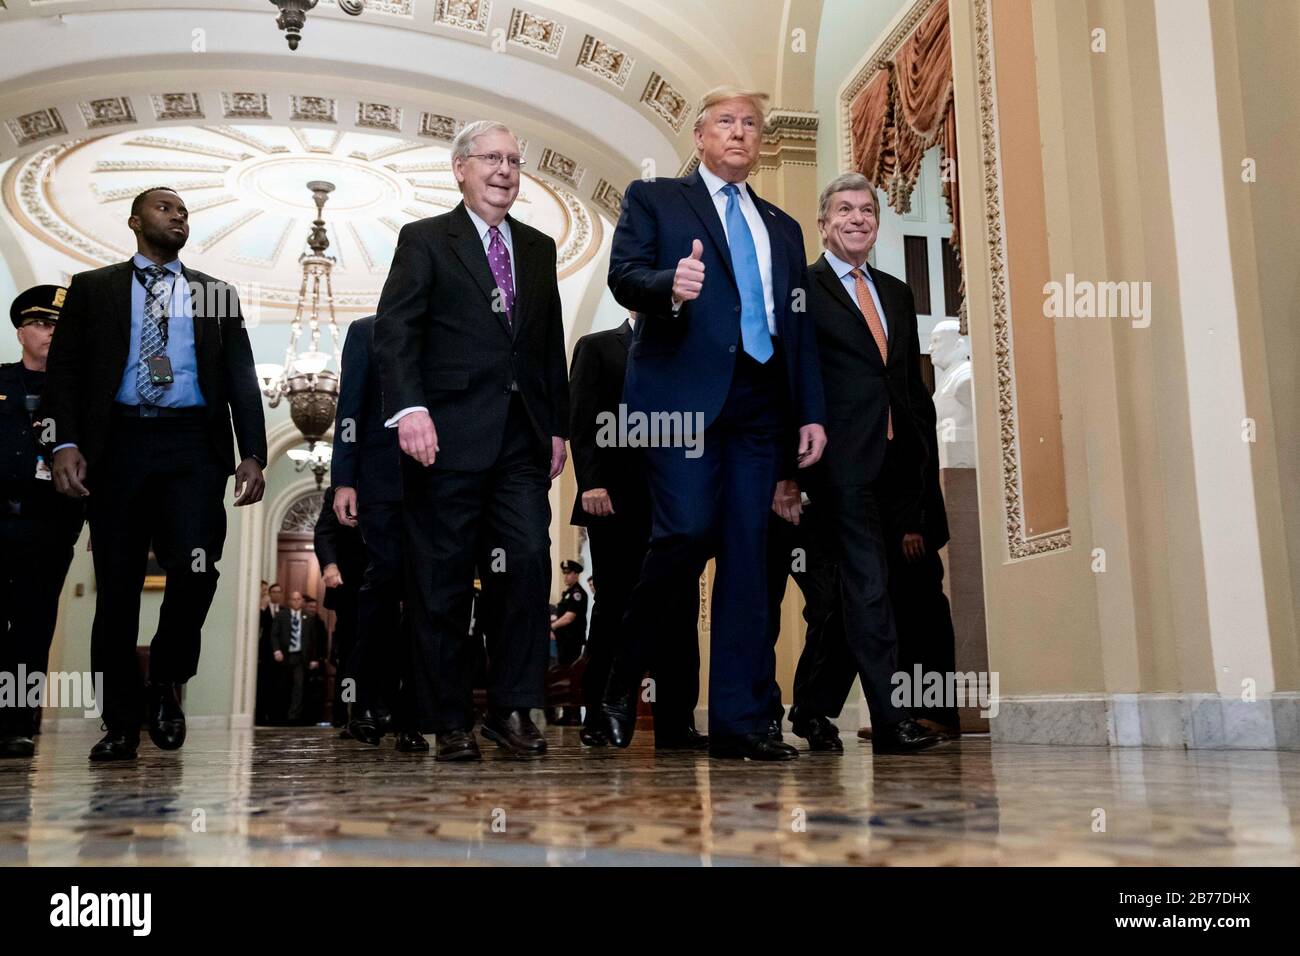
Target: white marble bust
<point>950,354</point>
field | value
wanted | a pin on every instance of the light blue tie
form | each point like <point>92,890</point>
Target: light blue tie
<point>744,261</point>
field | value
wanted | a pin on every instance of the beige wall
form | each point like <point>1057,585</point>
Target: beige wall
<point>1190,518</point>
<point>1257,54</point>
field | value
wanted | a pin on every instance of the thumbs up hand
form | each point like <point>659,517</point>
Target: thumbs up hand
<point>689,278</point>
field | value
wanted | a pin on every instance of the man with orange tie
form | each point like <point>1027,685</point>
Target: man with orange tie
<point>870,359</point>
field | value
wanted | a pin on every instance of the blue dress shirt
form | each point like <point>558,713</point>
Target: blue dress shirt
<point>184,390</point>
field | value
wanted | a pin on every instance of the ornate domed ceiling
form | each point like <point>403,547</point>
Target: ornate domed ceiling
<point>250,209</point>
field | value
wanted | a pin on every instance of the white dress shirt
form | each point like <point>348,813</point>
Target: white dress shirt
<point>843,270</point>
<point>483,234</point>
<point>757,228</point>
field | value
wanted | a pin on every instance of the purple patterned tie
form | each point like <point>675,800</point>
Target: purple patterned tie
<point>499,261</point>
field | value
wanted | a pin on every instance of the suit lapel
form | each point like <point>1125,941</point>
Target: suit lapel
<point>697,195</point>
<point>197,310</point>
<point>468,247</point>
<point>525,245</point>
<point>861,331</point>
<point>119,294</point>
<point>624,334</point>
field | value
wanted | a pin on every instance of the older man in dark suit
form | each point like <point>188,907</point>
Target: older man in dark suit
<point>718,277</point>
<point>867,341</point>
<point>470,342</point>
<point>149,368</point>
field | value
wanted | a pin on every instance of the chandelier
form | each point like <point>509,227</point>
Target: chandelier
<point>316,457</point>
<point>293,16</point>
<point>305,378</point>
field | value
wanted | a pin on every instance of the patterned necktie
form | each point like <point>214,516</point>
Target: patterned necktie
<point>295,634</point>
<point>499,262</point>
<point>868,307</point>
<point>754,332</point>
<point>157,291</point>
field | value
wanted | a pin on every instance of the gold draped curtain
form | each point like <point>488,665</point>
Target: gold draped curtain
<point>903,110</point>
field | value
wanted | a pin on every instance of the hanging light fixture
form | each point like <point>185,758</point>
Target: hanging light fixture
<point>316,457</point>
<point>293,16</point>
<point>305,378</point>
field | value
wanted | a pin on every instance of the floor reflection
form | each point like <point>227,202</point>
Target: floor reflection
<point>292,796</point>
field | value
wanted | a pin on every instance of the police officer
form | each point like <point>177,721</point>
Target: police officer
<point>38,526</point>
<point>570,627</point>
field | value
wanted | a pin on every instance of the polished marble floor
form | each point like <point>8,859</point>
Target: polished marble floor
<point>306,797</point>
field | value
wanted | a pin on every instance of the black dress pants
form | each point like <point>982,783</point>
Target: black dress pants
<point>497,520</point>
<point>158,483</point>
<point>618,547</point>
<point>35,552</point>
<point>381,657</point>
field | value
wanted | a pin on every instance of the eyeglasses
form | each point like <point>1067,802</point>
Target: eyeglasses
<point>496,159</point>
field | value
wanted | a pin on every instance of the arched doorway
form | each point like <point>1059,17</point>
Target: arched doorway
<point>296,570</point>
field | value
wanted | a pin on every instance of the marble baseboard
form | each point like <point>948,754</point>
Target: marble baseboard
<point>1185,721</point>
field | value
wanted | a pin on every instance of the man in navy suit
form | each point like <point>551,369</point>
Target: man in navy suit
<point>719,278</point>
<point>367,479</point>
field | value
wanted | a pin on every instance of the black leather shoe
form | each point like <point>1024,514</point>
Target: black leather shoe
<point>774,729</point>
<point>687,739</point>
<point>409,742</point>
<point>514,732</point>
<point>13,745</point>
<point>166,719</point>
<point>365,727</point>
<point>821,734</point>
<point>758,746</point>
<point>620,719</point>
<point>457,745</point>
<point>116,746</point>
<point>593,737</point>
<point>904,737</point>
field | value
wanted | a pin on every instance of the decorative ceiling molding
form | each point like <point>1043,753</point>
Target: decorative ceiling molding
<point>391,149</point>
<point>379,116</point>
<point>561,167</point>
<point>535,33</point>
<point>35,126</point>
<point>245,106</point>
<point>248,139</point>
<point>71,197</point>
<point>107,111</point>
<point>790,124</point>
<point>130,192</point>
<point>176,106</point>
<point>145,166</point>
<point>183,146</point>
<point>392,8</point>
<point>606,62</point>
<point>665,102</point>
<point>313,109</point>
<point>608,198</point>
<point>440,127</point>
<point>471,15</point>
<point>304,138</point>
